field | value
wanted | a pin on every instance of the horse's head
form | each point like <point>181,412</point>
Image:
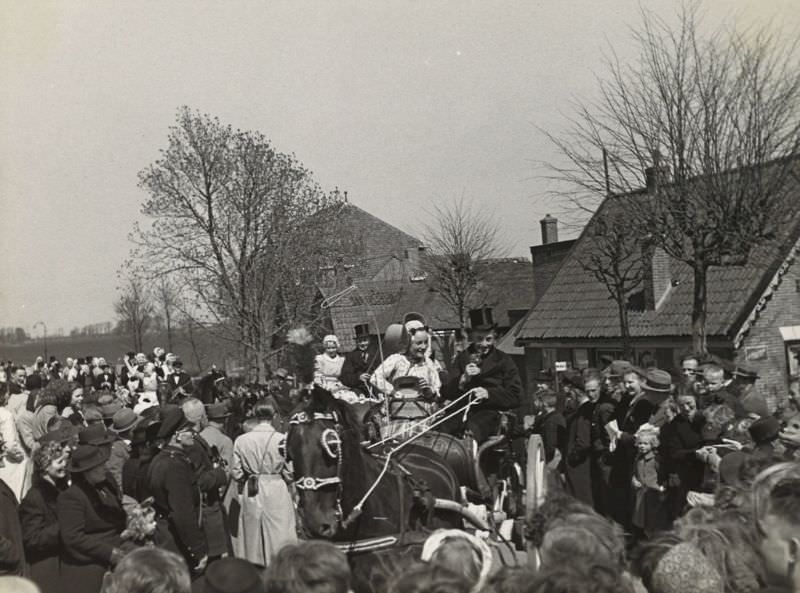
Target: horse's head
<point>323,445</point>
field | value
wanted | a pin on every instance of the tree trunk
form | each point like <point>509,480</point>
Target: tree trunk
<point>699,304</point>
<point>624,329</point>
<point>168,319</point>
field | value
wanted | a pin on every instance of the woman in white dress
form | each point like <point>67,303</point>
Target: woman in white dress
<point>266,520</point>
<point>328,365</point>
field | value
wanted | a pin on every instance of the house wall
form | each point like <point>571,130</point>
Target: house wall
<point>763,348</point>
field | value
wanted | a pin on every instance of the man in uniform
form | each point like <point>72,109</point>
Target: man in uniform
<point>494,378</point>
<point>173,484</point>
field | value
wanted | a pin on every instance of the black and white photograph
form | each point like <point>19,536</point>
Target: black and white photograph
<point>400,296</point>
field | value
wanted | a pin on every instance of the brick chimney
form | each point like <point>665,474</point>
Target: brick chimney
<point>549,230</point>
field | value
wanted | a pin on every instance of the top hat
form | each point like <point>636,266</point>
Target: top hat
<point>231,575</point>
<point>177,362</point>
<point>657,380</point>
<point>124,420</point>
<point>86,457</point>
<point>95,434</point>
<point>172,419</point>
<point>765,430</point>
<point>362,331</point>
<point>214,411</point>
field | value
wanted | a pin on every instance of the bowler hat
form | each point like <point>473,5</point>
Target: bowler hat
<point>217,411</point>
<point>86,457</point>
<point>573,378</point>
<point>765,430</point>
<point>172,419</point>
<point>232,575</point>
<point>657,380</point>
<point>124,420</point>
<point>95,434</point>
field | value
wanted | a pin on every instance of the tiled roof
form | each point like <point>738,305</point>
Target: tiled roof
<point>378,237</point>
<point>577,306</point>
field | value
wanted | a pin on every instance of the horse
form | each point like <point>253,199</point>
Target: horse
<point>345,493</point>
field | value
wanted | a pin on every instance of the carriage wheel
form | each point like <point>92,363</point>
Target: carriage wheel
<point>535,485</point>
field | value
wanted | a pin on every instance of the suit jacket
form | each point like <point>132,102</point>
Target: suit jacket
<point>180,379</point>
<point>104,377</point>
<point>356,363</point>
<point>90,523</point>
<point>12,553</point>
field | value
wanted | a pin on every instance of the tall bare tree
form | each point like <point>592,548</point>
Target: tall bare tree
<point>615,260</point>
<point>166,299</point>
<point>134,308</point>
<point>715,117</point>
<point>240,226</point>
<point>457,240</point>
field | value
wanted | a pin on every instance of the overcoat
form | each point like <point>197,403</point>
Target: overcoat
<point>38,515</point>
<point>173,485</point>
<point>12,554</point>
<point>680,440</point>
<point>264,518</point>
<point>91,519</point>
<point>578,463</point>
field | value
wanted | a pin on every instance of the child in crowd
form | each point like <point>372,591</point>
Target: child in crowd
<point>649,512</point>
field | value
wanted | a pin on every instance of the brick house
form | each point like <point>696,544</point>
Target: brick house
<point>753,312</point>
<point>384,281</point>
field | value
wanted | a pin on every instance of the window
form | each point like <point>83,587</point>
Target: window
<point>580,358</point>
<point>792,358</point>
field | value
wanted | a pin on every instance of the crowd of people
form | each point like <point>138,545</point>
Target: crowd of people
<point>121,480</point>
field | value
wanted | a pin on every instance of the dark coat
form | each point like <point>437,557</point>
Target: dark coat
<point>552,427</point>
<point>105,377</point>
<point>680,440</point>
<point>357,363</point>
<point>578,463</point>
<point>211,479</point>
<point>38,515</point>
<point>90,525</point>
<point>180,379</point>
<point>12,553</point>
<point>499,376</point>
<point>174,487</point>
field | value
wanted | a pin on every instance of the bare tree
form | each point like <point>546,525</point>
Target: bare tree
<point>241,227</point>
<point>457,240</point>
<point>166,300</point>
<point>615,260</point>
<point>134,308</point>
<point>715,121</point>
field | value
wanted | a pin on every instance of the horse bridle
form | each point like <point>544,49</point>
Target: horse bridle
<point>331,442</point>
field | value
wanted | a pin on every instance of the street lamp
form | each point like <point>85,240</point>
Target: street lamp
<point>44,337</point>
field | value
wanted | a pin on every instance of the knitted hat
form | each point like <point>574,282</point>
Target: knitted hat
<point>684,568</point>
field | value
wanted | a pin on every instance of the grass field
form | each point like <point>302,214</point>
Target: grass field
<point>209,349</point>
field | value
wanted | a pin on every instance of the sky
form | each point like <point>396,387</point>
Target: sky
<point>403,104</point>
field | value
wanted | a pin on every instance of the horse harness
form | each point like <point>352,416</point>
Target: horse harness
<point>331,442</point>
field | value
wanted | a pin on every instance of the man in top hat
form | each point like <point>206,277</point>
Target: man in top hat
<point>104,379</point>
<point>494,379</point>
<point>173,484</point>
<point>360,363</point>
<point>179,379</point>
<point>214,433</point>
